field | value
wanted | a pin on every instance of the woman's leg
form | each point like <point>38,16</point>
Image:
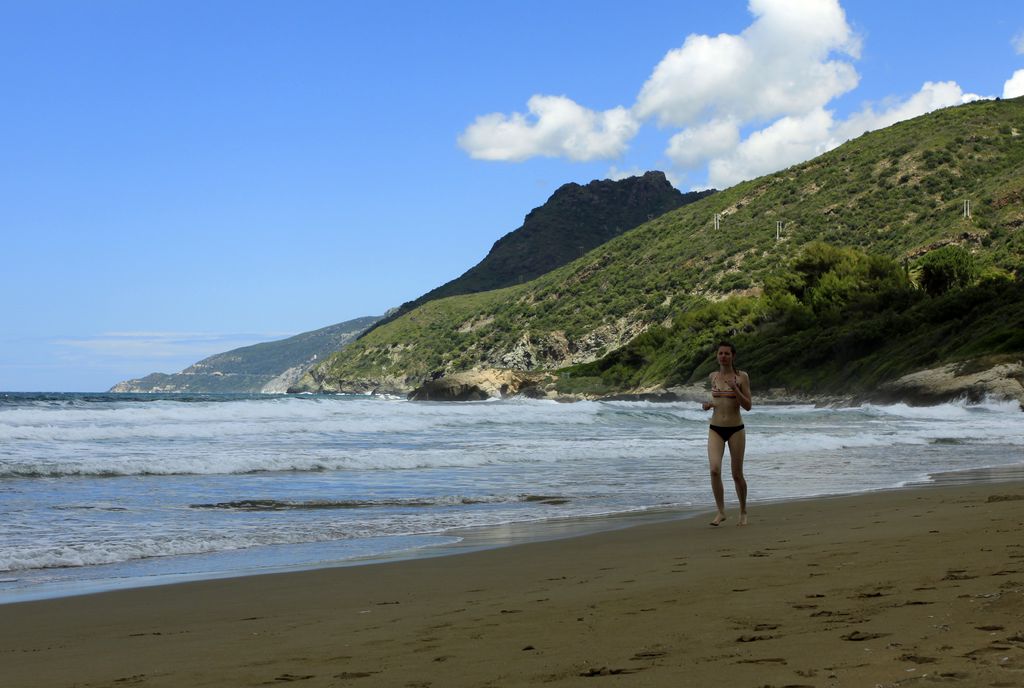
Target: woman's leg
<point>737,448</point>
<point>716,451</point>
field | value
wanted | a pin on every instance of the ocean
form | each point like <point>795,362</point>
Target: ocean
<point>101,491</point>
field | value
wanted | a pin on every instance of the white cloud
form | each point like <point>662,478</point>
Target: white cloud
<point>776,77</point>
<point>787,141</point>
<point>796,138</point>
<point>1018,43</point>
<point>695,145</point>
<point>555,127</point>
<point>1014,86</point>
<point>778,66</point>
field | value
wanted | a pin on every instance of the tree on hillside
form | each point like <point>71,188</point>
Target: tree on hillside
<point>946,268</point>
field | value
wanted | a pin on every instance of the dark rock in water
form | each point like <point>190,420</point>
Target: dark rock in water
<point>533,392</point>
<point>447,390</point>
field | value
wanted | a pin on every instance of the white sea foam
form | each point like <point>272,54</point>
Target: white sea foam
<point>127,481</point>
<point>319,521</point>
<point>287,434</point>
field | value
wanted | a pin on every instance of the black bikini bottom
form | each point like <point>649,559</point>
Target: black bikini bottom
<point>726,432</point>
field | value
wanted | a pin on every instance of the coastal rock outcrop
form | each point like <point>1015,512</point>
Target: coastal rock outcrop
<point>480,384</point>
<point>551,350</point>
<point>965,380</point>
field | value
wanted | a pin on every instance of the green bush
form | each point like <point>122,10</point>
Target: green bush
<point>946,268</point>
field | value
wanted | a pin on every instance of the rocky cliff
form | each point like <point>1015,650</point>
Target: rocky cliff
<point>574,220</point>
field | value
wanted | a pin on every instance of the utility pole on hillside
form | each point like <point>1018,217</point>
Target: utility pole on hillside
<point>718,221</point>
<point>967,209</point>
<point>778,230</point>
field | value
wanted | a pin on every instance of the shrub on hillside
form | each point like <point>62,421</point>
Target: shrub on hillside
<point>946,268</point>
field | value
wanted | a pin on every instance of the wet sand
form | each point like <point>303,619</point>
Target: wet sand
<point>907,587</point>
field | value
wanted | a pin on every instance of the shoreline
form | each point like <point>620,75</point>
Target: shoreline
<point>460,541</point>
<point>877,588</point>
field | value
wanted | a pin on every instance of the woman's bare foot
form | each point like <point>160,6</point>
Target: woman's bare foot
<point>718,519</point>
<point>743,519</point>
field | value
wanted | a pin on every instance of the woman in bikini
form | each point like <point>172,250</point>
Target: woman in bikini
<point>730,391</point>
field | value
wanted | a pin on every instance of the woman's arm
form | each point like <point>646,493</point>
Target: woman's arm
<point>708,405</point>
<point>743,394</point>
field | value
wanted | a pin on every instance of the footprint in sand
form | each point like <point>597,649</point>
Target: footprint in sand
<point>605,671</point>
<point>957,575</point>
<point>1004,498</point>
<point>859,636</point>
<point>917,659</point>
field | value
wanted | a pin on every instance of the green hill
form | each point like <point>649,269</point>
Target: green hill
<point>894,195</point>
<point>265,367</point>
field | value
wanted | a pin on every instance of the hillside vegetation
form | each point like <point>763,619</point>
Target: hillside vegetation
<point>264,367</point>
<point>836,320</point>
<point>884,202</point>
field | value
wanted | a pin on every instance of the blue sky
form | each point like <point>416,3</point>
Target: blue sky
<point>181,178</point>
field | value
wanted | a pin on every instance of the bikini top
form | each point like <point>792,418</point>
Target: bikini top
<point>716,391</point>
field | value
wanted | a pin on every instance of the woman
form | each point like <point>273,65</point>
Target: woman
<point>730,391</point>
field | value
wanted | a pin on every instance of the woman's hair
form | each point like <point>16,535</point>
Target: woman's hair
<point>728,344</point>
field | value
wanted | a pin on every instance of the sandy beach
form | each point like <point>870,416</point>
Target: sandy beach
<point>906,587</point>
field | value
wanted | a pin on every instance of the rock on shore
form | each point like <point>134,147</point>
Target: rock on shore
<point>959,381</point>
<point>484,383</point>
